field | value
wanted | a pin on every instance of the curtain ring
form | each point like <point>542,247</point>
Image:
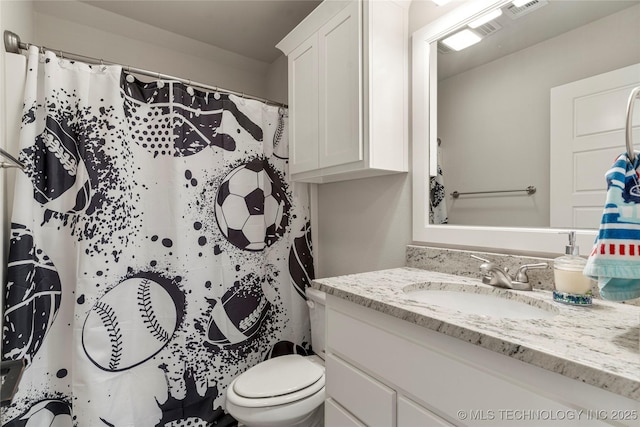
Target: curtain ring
<point>158,76</point>
<point>61,55</point>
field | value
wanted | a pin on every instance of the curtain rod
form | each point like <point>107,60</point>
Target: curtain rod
<point>12,44</point>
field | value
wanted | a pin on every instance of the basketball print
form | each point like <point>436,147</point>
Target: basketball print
<point>33,296</point>
<point>57,170</point>
<point>251,206</point>
<point>130,324</point>
<point>238,315</point>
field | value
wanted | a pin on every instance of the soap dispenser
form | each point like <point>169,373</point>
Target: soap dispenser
<point>571,286</point>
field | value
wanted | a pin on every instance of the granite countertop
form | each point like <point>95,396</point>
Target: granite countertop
<point>598,344</point>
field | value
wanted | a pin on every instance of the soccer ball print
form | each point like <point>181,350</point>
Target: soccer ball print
<point>251,205</point>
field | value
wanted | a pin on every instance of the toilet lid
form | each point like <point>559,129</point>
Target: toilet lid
<point>278,376</point>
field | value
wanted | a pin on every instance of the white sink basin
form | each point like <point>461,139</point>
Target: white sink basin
<point>483,304</point>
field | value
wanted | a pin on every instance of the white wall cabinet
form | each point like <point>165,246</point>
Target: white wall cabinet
<point>348,97</point>
<point>383,371</point>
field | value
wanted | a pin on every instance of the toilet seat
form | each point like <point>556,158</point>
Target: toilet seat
<point>277,381</point>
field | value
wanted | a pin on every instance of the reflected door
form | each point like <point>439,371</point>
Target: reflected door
<point>587,134</point>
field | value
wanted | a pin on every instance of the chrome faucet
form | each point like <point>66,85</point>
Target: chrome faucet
<point>494,275</point>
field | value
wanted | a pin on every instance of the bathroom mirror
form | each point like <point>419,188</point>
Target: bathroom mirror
<point>528,236</point>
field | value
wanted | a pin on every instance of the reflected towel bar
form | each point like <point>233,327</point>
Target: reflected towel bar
<point>635,94</point>
<point>529,190</point>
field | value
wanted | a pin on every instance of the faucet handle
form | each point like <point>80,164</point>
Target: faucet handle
<point>521,275</point>
<point>486,265</point>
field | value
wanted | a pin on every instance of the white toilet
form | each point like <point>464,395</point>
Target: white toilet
<point>284,391</point>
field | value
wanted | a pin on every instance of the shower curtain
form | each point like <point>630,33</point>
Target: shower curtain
<point>157,249</point>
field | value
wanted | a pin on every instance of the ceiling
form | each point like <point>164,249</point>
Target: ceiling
<point>250,28</point>
<point>555,17</point>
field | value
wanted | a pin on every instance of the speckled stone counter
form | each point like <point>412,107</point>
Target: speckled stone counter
<point>598,345</point>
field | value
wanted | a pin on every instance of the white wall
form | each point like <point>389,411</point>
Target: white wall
<point>277,72</point>
<point>365,224</point>
<point>494,119</point>
<point>87,30</point>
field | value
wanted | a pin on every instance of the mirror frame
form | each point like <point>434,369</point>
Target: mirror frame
<point>522,240</point>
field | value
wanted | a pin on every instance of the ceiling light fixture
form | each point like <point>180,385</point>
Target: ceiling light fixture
<point>441,2</point>
<point>520,3</point>
<point>461,40</point>
<point>486,18</point>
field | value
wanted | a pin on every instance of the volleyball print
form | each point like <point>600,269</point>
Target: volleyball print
<point>130,323</point>
<point>251,206</point>
<point>33,296</point>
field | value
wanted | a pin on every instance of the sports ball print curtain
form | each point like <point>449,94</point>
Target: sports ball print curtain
<point>157,249</point>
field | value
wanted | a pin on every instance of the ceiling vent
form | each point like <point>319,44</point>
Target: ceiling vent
<point>444,49</point>
<point>488,28</point>
<point>516,12</point>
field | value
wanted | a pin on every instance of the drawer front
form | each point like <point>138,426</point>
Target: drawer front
<point>433,376</point>
<point>410,414</point>
<point>337,416</point>
<point>366,398</point>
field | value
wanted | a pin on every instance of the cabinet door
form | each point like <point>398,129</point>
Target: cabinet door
<point>340,88</point>
<point>303,106</point>
<point>411,414</point>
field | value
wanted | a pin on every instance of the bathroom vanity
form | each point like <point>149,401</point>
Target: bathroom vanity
<point>394,359</point>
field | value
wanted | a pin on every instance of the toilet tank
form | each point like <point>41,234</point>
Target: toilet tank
<point>316,302</point>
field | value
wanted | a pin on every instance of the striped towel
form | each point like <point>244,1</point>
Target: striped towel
<point>615,259</point>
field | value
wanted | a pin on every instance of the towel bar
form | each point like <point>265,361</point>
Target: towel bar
<point>530,190</point>
<point>14,163</point>
<point>635,94</point>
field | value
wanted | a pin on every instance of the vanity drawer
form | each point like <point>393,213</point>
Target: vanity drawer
<point>435,376</point>
<point>335,415</point>
<point>370,401</point>
<point>410,414</point>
